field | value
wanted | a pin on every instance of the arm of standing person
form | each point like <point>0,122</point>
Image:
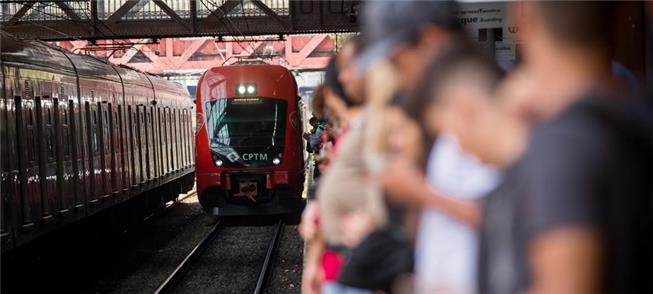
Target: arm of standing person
<point>550,255</point>
<point>312,274</point>
<point>405,184</point>
<point>564,172</point>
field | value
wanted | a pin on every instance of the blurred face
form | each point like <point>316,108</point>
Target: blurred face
<point>479,123</point>
<point>410,64</point>
<point>350,77</point>
<point>411,60</point>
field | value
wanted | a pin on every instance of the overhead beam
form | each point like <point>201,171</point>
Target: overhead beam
<point>169,11</point>
<point>123,10</point>
<point>222,11</point>
<point>269,12</point>
<point>68,10</point>
<point>72,15</point>
<point>303,17</point>
<point>20,13</point>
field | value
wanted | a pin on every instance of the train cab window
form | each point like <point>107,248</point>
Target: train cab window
<point>246,132</point>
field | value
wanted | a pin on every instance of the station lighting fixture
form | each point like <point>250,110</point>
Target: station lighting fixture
<point>276,161</point>
<point>219,162</point>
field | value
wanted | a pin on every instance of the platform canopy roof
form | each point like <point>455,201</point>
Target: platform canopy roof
<point>121,19</point>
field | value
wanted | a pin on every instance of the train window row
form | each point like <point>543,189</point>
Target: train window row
<point>159,141</point>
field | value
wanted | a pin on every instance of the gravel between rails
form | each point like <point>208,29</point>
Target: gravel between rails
<point>287,267</point>
<point>231,264</point>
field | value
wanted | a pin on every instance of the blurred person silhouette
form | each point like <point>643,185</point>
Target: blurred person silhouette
<point>345,196</point>
<point>573,215</point>
<point>412,34</point>
<point>457,100</point>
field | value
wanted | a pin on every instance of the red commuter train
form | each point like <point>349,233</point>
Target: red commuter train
<point>78,136</point>
<point>249,148</point>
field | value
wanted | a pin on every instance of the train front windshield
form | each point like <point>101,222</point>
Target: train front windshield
<point>246,132</point>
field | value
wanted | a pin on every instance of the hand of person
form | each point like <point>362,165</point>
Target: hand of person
<point>356,226</point>
<point>308,226</point>
<point>306,136</point>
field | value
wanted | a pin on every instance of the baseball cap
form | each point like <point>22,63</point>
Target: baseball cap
<point>387,24</point>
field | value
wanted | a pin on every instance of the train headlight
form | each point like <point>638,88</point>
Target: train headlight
<point>276,161</point>
<point>219,162</point>
<point>241,89</point>
<point>246,89</point>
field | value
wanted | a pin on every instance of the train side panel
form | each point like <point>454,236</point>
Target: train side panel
<point>73,142</point>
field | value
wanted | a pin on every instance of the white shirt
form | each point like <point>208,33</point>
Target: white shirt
<point>446,249</point>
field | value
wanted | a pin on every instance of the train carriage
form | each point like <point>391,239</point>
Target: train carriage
<point>80,136</point>
<point>249,149</point>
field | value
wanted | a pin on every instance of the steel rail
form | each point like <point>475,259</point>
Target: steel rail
<point>173,279</point>
<point>267,263</point>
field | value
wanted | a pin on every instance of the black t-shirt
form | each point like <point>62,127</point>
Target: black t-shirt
<point>590,166</point>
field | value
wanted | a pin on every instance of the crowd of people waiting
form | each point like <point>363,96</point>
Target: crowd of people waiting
<point>439,172</point>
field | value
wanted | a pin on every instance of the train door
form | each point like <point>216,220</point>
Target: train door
<point>132,145</point>
<point>147,142</point>
<point>85,154</point>
<point>104,144</point>
<point>46,155</point>
<point>61,142</point>
<point>169,127</point>
<point>162,148</point>
<point>190,133</point>
<point>174,137</point>
<point>124,162</point>
<point>184,139</point>
<point>114,148</point>
<point>178,141</point>
<point>93,152</point>
<point>141,143</point>
<point>30,208</point>
<point>153,135</point>
<point>74,126</point>
<point>8,188</point>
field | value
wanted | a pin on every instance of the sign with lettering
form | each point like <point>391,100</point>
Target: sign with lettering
<point>488,23</point>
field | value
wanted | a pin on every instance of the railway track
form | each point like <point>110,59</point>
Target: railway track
<point>171,283</point>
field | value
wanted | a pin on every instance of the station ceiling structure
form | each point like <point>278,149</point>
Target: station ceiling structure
<point>125,19</point>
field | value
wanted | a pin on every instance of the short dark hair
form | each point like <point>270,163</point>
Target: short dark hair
<point>458,59</point>
<point>586,24</point>
<point>331,81</point>
<point>357,42</point>
<point>317,101</point>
